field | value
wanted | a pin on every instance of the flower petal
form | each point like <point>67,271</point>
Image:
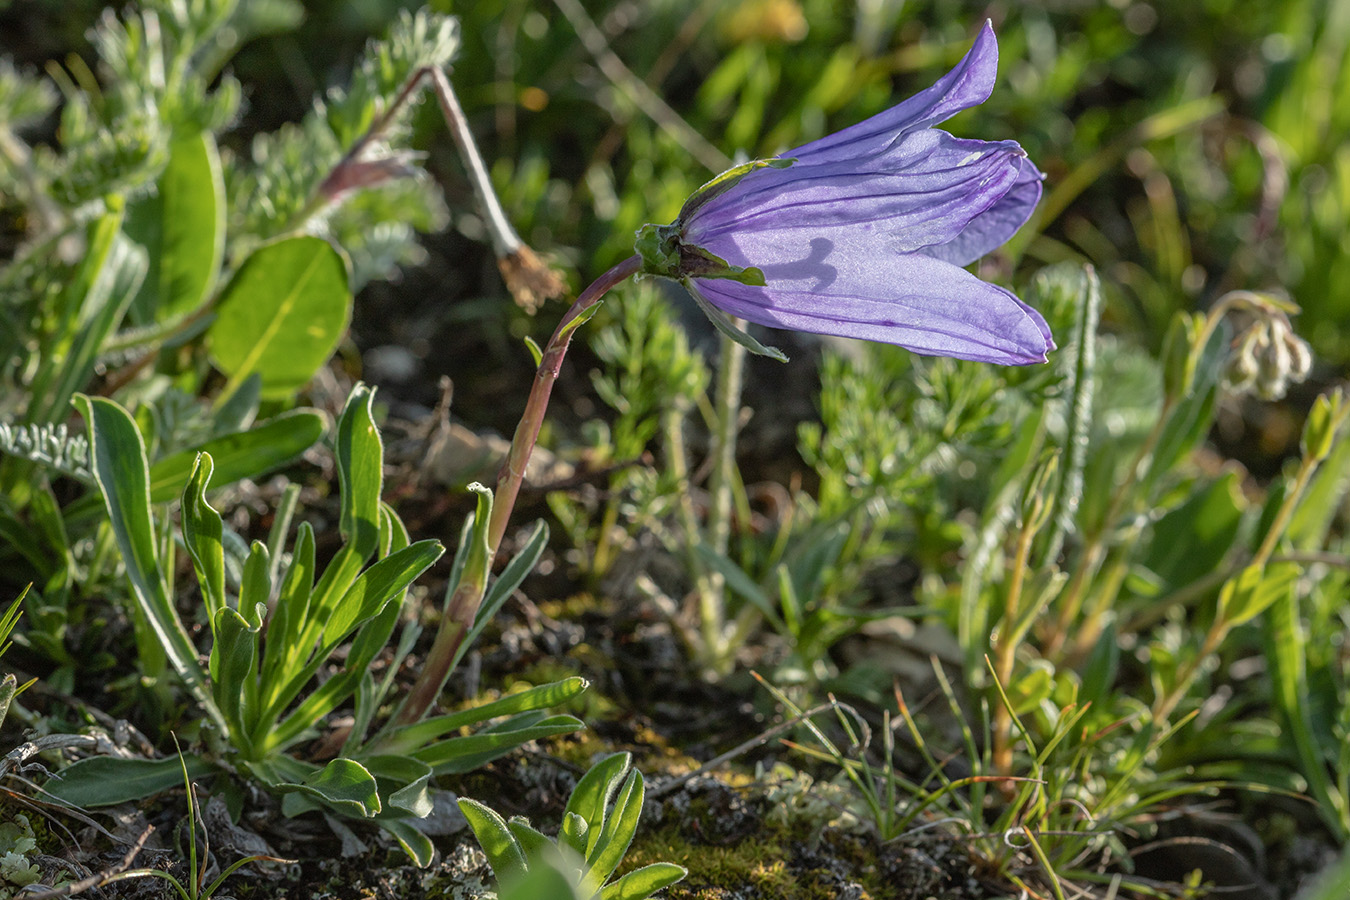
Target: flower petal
<point>993,227</point>
<point>967,85</point>
<point>927,192</point>
<point>926,305</point>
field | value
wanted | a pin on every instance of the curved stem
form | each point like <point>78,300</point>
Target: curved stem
<point>527,432</point>
<point>462,606</point>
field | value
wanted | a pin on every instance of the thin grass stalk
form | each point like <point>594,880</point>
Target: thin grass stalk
<point>727,411</point>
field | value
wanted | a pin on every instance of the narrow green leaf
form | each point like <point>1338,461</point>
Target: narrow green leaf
<point>533,843</point>
<point>739,582</point>
<point>642,883</point>
<point>502,588</point>
<point>464,754</point>
<point>290,612</point>
<point>9,686</point>
<point>86,313</point>
<point>618,833</point>
<point>1254,589</point>
<point>1286,654</point>
<point>416,844</point>
<point>504,853</point>
<point>202,531</point>
<point>360,459</point>
<point>281,315</point>
<point>182,228</point>
<point>109,780</point>
<point>1080,387</point>
<point>722,322</point>
<point>255,587</point>
<point>590,798</point>
<point>377,586</point>
<point>410,737</point>
<point>1317,509</point>
<point>117,458</point>
<point>233,660</point>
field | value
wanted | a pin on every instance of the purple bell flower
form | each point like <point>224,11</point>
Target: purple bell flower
<point>863,233</point>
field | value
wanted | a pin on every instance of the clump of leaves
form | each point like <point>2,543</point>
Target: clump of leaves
<point>598,825</point>
<point>278,631</point>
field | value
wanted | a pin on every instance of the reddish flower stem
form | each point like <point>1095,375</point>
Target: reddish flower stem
<point>468,596</point>
<point>527,432</point>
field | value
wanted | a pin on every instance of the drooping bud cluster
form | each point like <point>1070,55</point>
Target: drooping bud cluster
<point>1267,355</point>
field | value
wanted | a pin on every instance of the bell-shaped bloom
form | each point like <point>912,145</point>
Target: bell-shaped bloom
<point>864,233</point>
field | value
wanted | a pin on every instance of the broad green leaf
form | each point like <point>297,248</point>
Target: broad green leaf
<point>1030,686</point>
<point>281,315</point>
<point>244,454</point>
<point>117,458</point>
<point>344,785</point>
<point>1192,540</point>
<point>403,783</point>
<point>642,883</point>
<point>109,780</point>
<point>202,530</point>
<point>590,798</point>
<point>182,228</point>
<point>503,851</point>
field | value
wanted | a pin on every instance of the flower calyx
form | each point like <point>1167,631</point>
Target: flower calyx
<point>665,253</point>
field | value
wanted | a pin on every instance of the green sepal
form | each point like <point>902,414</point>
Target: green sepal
<point>664,253</point>
<point>722,322</point>
<point>697,262</point>
<point>725,182</point>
